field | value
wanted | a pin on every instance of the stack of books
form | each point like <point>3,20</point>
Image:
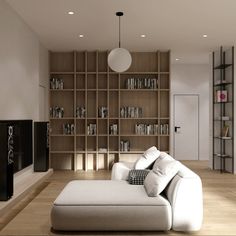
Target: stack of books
<point>102,112</point>
<point>68,128</point>
<point>124,146</point>
<point>92,129</point>
<point>80,112</point>
<point>164,129</point>
<point>56,112</point>
<point>131,112</point>
<point>146,129</point>
<point>114,129</point>
<point>56,83</point>
<point>141,83</point>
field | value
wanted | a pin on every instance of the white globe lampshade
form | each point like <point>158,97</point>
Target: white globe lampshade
<point>119,59</point>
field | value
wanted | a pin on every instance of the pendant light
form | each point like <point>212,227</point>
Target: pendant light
<point>119,59</point>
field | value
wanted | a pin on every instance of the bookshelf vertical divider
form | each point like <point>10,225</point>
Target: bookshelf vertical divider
<point>89,83</point>
<point>97,123</point>
<point>158,96</point>
<point>75,138</point>
<point>86,111</point>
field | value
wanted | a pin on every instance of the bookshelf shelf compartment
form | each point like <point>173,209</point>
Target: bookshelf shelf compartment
<point>91,88</point>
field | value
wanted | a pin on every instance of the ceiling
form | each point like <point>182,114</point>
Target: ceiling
<point>177,25</point>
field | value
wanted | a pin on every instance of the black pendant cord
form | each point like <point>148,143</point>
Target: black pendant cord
<point>119,31</point>
<point>119,13</point>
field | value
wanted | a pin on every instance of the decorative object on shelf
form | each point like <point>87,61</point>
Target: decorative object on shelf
<point>114,129</point>
<point>221,96</point>
<point>56,83</point>
<point>131,112</point>
<point>80,112</point>
<point>102,112</point>
<point>146,129</point>
<point>142,83</point>
<point>124,145</point>
<point>92,129</point>
<point>68,129</point>
<point>56,112</point>
<point>225,131</point>
<point>119,59</point>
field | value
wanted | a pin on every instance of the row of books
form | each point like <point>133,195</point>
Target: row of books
<point>114,129</point>
<point>142,83</point>
<point>124,145</point>
<point>164,129</point>
<point>146,129</point>
<point>68,128</point>
<point>102,112</point>
<point>56,112</point>
<point>131,112</point>
<point>56,83</point>
<point>91,129</point>
<point>151,129</point>
<point>80,112</point>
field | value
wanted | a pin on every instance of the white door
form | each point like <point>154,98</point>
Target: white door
<point>186,129</point>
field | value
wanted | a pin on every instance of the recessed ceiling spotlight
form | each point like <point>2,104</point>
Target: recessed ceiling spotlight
<point>71,13</point>
<point>143,35</point>
<point>177,59</point>
<point>81,35</point>
<point>204,35</point>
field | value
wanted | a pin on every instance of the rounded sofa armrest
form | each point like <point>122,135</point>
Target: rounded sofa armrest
<point>120,170</point>
<point>185,196</point>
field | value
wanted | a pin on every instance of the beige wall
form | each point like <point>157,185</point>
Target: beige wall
<point>23,67</point>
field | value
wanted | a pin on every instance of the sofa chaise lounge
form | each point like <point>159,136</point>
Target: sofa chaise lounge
<point>116,205</point>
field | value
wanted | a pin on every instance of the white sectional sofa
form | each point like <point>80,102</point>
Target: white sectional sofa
<point>116,205</point>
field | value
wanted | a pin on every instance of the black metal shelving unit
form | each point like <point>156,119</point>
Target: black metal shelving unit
<point>223,111</point>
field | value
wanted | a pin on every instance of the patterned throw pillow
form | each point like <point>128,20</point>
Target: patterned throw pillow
<point>137,177</point>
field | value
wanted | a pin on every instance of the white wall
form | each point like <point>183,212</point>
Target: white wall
<point>193,79</point>
<point>23,66</point>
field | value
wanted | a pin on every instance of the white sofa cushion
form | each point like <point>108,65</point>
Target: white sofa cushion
<point>147,158</point>
<point>164,169</point>
<point>102,205</point>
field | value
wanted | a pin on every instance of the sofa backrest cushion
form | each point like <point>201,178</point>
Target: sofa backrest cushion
<point>147,158</point>
<point>164,169</point>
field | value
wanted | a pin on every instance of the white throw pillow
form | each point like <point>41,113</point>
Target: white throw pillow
<point>147,158</point>
<point>164,169</point>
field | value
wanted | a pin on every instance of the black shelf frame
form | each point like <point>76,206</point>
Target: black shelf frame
<point>222,85</point>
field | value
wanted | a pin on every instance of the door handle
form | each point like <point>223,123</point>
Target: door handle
<point>176,128</point>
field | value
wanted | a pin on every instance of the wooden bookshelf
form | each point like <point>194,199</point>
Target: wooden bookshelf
<point>89,83</point>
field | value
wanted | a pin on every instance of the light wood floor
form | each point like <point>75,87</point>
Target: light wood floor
<point>32,215</point>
